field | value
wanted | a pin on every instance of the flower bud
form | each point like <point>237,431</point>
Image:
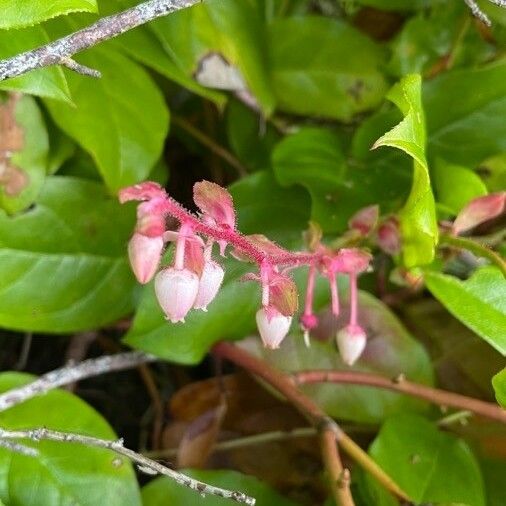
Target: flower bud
<point>389,238</point>
<point>144,253</point>
<point>176,290</point>
<point>364,220</point>
<point>478,211</point>
<point>210,282</point>
<point>273,327</point>
<point>309,321</point>
<point>351,342</point>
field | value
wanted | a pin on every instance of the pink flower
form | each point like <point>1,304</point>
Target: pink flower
<point>176,291</point>
<point>273,326</point>
<point>210,282</point>
<point>351,342</point>
<point>145,253</point>
<point>389,238</point>
<point>479,210</point>
<point>364,220</point>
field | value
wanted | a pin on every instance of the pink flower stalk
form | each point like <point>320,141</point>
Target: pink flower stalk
<point>209,285</point>
<point>145,254</point>
<point>272,326</point>
<point>478,211</point>
<point>351,342</point>
<point>176,291</point>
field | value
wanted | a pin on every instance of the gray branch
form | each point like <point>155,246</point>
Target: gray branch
<point>72,373</point>
<point>143,463</point>
<point>60,51</point>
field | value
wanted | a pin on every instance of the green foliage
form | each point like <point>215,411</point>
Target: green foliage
<point>19,13</point>
<point>324,77</point>
<point>429,465</point>
<point>72,247</point>
<point>128,139</point>
<point>479,302</point>
<point>418,216</point>
<point>162,490</point>
<point>63,473</point>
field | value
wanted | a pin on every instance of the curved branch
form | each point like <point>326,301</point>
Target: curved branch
<point>283,384</point>
<point>401,385</point>
<point>60,51</point>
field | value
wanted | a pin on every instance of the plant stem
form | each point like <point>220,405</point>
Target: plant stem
<point>474,247</point>
<point>401,385</point>
<point>318,418</point>
<point>143,463</point>
<point>211,144</point>
<point>60,52</point>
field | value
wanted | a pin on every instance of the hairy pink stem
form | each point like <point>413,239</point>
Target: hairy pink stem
<point>353,299</point>
<point>308,308</point>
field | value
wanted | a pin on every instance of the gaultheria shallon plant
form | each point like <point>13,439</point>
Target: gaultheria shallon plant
<point>193,279</point>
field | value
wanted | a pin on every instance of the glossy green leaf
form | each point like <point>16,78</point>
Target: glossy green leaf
<point>48,82</point>
<point>418,216</point>
<point>63,473</point>
<point>25,169</point>
<point>122,127</point>
<point>63,265</point>
<point>19,13</point>
<point>281,214</point>
<point>499,384</point>
<point>464,111</point>
<point>390,350</point>
<point>494,470</point>
<point>456,186</point>
<point>163,491</point>
<point>313,158</point>
<point>479,302</point>
<point>429,465</point>
<point>233,29</point>
<point>324,75</point>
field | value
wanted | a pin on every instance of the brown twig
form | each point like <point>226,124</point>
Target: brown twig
<point>143,463</point>
<point>401,385</point>
<point>283,384</point>
<point>60,52</point>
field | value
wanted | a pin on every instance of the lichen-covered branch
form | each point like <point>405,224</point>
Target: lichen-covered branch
<point>72,373</point>
<point>143,463</point>
<point>61,51</point>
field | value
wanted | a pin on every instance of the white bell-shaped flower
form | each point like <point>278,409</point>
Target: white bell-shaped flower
<point>273,326</point>
<point>351,342</point>
<point>210,282</point>
<point>145,253</point>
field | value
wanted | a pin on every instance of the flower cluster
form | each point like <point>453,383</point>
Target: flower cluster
<point>193,279</point>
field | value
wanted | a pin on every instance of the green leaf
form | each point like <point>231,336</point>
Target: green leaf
<point>396,5</point>
<point>281,214</point>
<point>464,111</point>
<point>25,169</point>
<point>163,491</point>
<point>390,350</point>
<point>456,186</point>
<point>324,76</point>
<point>499,384</point>
<point>418,217</point>
<point>494,470</point>
<point>20,13</point>
<point>63,265</point>
<point>429,465</point>
<point>233,29</point>
<point>63,473</point>
<point>479,302</point>
<point>48,82</point>
<point>122,127</point>
<point>313,158</point>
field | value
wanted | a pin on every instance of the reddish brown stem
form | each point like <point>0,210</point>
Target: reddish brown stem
<point>318,418</point>
<point>401,385</point>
